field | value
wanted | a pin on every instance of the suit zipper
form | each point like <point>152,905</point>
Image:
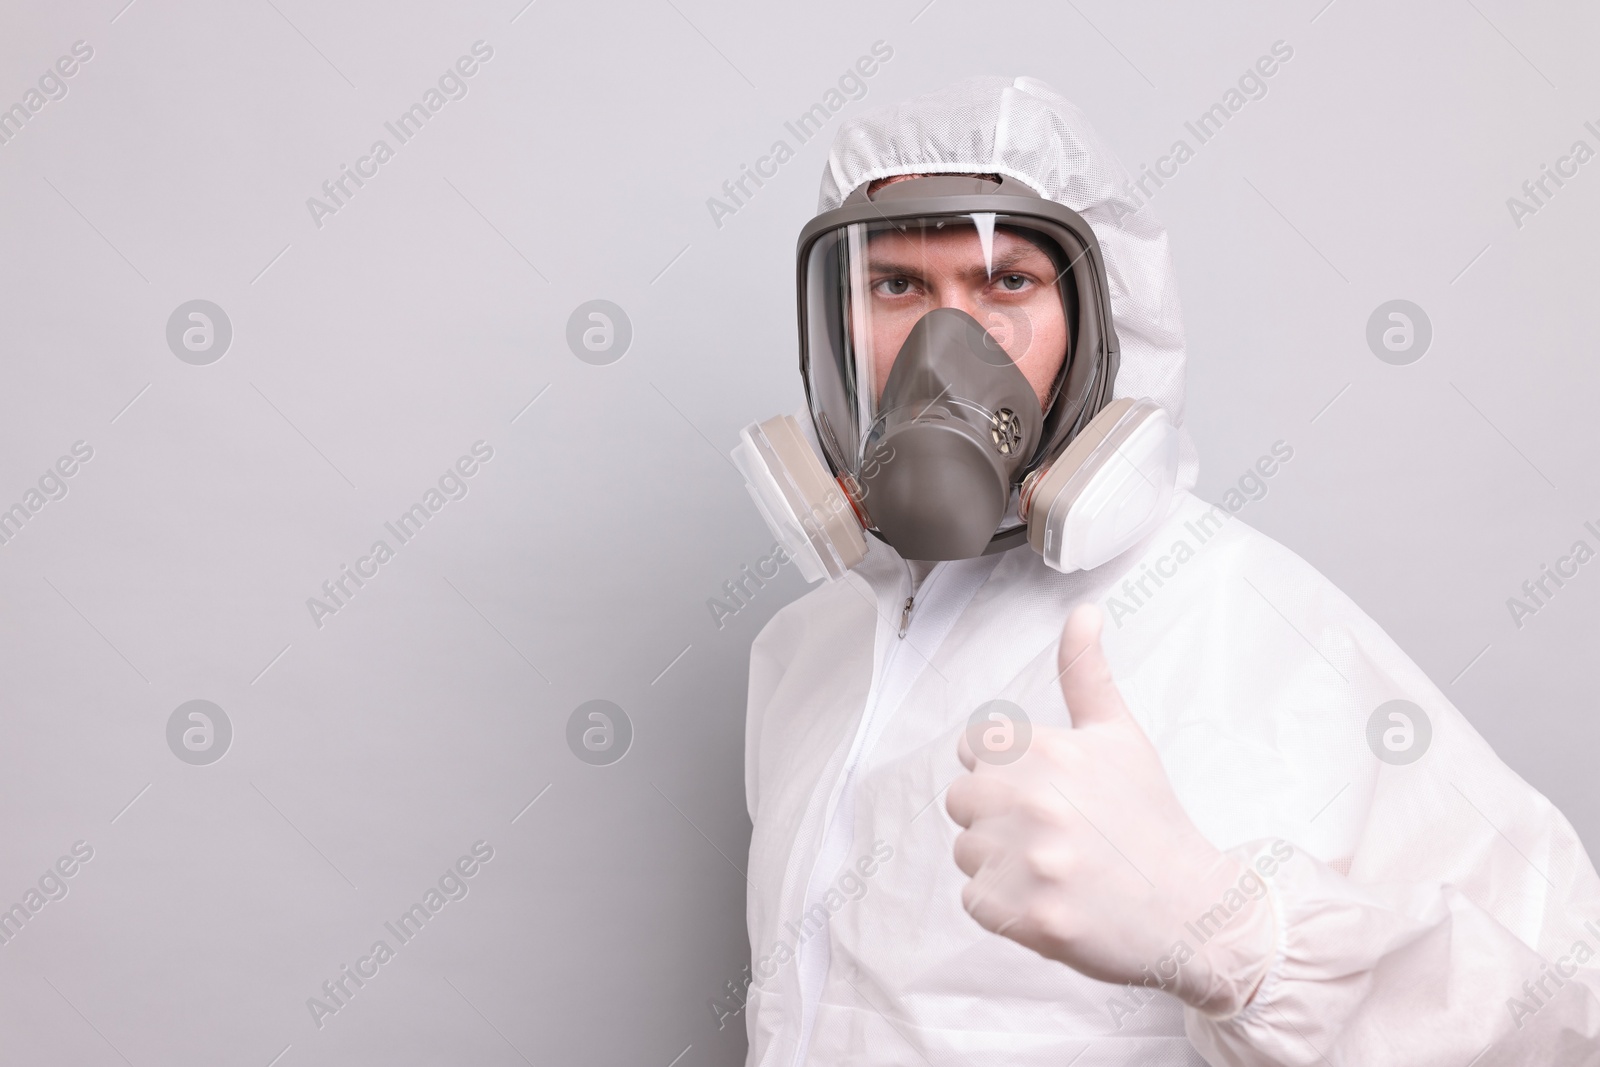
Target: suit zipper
<point>905,612</point>
<point>865,730</point>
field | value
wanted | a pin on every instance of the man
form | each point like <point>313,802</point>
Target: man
<point>1209,812</point>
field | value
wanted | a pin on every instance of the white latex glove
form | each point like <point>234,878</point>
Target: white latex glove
<point>1080,851</point>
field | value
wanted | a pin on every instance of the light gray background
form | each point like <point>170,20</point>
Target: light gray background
<point>370,353</point>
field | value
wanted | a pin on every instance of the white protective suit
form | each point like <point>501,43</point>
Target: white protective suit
<point>1430,913</point>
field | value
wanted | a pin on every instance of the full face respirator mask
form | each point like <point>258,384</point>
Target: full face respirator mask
<point>958,355</point>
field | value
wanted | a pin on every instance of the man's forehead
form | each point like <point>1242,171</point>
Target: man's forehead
<point>951,239</point>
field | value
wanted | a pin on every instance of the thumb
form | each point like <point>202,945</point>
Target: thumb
<point>1086,683</point>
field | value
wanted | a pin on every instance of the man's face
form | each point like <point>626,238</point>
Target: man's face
<point>1015,296</point>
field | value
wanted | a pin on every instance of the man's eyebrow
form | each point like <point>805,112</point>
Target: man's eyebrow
<point>1016,255</point>
<point>884,265</point>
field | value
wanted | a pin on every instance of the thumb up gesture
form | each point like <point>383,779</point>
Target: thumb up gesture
<point>1081,851</point>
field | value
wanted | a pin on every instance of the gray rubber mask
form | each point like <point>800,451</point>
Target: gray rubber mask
<point>919,300</point>
<point>957,421</point>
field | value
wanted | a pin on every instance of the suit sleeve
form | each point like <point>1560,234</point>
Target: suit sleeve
<point>1461,926</point>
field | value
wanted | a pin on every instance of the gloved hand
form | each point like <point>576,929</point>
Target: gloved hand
<point>1081,851</point>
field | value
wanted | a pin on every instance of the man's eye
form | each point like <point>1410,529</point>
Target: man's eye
<point>895,286</point>
<point>1013,282</point>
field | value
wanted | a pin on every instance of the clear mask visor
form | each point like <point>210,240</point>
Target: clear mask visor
<point>869,284</point>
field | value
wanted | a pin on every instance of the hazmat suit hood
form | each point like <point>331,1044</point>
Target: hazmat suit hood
<point>1023,129</point>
